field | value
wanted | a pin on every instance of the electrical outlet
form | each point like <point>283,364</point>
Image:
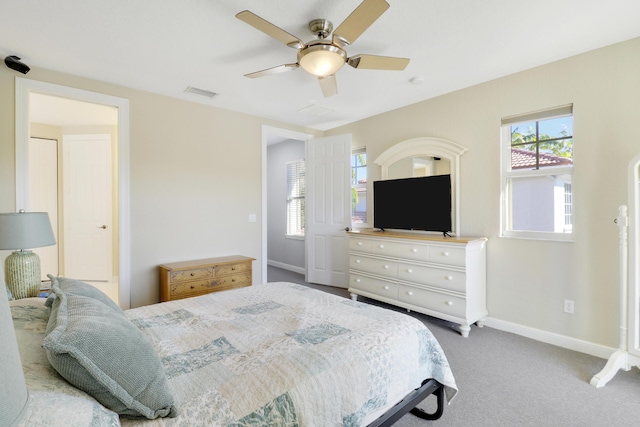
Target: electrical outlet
<point>568,306</point>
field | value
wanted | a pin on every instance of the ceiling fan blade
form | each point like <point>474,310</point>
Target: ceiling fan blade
<point>328,85</point>
<point>373,62</point>
<point>269,29</point>
<point>273,70</point>
<point>359,20</point>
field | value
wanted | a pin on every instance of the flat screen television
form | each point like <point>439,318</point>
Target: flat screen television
<point>422,203</point>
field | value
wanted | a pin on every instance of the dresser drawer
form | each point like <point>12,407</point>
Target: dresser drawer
<point>232,281</point>
<point>436,277</point>
<point>223,270</point>
<point>360,245</point>
<point>447,255</point>
<point>183,289</point>
<point>408,250</point>
<point>375,286</point>
<point>432,300</point>
<point>196,273</point>
<point>377,266</point>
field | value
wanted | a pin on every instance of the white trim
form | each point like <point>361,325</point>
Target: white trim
<point>418,147</point>
<point>563,341</point>
<point>538,235</point>
<point>23,88</point>
<point>289,267</point>
<point>548,113</point>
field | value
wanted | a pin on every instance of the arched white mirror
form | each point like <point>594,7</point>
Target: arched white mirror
<point>425,157</point>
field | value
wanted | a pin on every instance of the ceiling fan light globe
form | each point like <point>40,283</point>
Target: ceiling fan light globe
<point>321,60</point>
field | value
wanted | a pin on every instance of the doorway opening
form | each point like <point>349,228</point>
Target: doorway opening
<point>279,146</point>
<point>88,139</point>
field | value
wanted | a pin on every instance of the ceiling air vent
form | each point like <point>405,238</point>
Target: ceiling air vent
<point>201,92</point>
<point>316,110</point>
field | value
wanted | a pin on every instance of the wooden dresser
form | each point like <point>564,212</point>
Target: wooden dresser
<point>444,278</point>
<point>198,277</point>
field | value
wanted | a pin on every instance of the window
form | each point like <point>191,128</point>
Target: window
<point>537,169</point>
<point>358,187</point>
<point>295,198</point>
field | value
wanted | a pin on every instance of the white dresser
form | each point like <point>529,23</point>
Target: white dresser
<point>441,277</point>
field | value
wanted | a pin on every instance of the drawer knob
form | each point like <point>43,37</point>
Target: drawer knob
<point>359,243</point>
<point>357,261</point>
<point>193,287</point>
<point>381,246</point>
<point>445,253</point>
<point>449,302</point>
<point>386,267</point>
<point>449,277</point>
<point>386,288</point>
<point>193,274</point>
<point>233,269</point>
<point>410,293</point>
<point>414,250</point>
<point>357,280</point>
<point>410,271</point>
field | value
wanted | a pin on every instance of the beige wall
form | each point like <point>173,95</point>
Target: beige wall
<point>195,176</point>
<point>528,280</point>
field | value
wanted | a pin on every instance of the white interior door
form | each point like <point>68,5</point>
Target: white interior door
<point>87,207</point>
<point>328,212</point>
<point>43,197</point>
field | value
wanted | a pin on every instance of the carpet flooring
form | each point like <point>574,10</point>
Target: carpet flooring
<point>508,380</point>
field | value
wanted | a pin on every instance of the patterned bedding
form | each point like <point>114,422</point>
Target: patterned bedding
<point>269,354</point>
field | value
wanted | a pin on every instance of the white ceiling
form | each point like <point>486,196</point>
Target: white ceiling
<point>166,46</point>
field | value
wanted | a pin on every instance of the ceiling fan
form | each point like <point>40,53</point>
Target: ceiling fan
<point>321,57</point>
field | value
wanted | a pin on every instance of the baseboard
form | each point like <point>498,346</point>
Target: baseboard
<point>294,268</point>
<point>552,338</point>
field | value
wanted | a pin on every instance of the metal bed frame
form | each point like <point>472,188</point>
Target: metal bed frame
<point>408,404</point>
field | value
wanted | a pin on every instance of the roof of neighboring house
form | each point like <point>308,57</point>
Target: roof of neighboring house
<point>524,159</point>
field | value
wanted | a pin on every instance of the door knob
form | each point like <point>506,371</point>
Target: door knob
<point>104,227</point>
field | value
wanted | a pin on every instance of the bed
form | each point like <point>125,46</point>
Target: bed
<point>269,354</point>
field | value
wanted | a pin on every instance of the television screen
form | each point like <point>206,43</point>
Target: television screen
<point>422,203</point>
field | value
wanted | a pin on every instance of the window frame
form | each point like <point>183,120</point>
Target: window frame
<point>299,169</point>
<point>355,152</point>
<point>506,174</point>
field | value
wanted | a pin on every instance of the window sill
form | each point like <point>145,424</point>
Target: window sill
<point>294,237</point>
<point>547,237</point>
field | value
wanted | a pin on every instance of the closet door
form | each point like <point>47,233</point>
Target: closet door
<point>87,207</point>
<point>43,195</point>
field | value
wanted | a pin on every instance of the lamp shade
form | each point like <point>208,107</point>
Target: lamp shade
<point>321,59</point>
<point>25,230</point>
<point>13,389</point>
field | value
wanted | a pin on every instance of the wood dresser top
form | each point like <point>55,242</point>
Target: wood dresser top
<point>370,232</point>
<point>206,262</point>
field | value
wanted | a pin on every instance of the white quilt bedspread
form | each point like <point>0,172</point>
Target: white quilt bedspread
<point>285,354</point>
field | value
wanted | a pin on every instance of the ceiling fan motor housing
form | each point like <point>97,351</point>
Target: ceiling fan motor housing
<point>321,28</point>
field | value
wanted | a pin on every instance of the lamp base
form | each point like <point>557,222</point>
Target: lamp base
<point>22,274</point>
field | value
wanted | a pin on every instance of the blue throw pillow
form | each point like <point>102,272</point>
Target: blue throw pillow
<point>94,346</point>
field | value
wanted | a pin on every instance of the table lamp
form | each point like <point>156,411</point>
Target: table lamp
<point>20,231</point>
